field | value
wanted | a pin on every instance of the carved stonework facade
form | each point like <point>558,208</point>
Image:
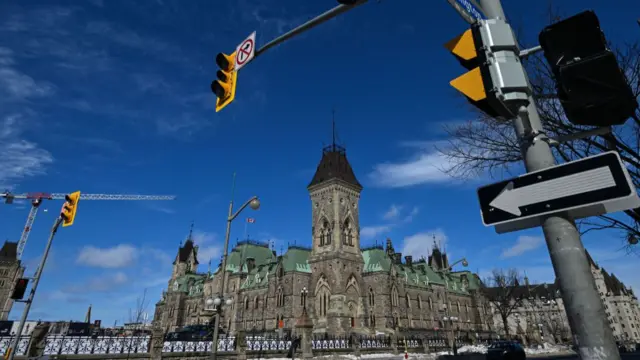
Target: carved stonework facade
<point>349,289</point>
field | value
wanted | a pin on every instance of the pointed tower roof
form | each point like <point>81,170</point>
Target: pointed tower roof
<point>87,317</point>
<point>334,165</point>
<point>185,250</point>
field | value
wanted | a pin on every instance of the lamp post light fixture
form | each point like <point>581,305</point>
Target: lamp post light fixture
<point>446,271</point>
<point>254,204</point>
<point>303,298</point>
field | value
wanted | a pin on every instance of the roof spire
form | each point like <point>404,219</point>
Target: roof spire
<point>190,238</point>
<point>333,130</point>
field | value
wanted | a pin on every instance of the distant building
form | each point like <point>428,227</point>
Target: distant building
<point>541,316</point>
<point>11,269</point>
<point>349,288</point>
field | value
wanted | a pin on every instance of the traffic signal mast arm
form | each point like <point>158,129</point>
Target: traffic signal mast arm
<point>328,15</point>
<point>225,86</point>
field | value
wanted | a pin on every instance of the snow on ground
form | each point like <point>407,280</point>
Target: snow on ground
<point>541,349</point>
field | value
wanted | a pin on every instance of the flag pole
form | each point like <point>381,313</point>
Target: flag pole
<point>246,224</point>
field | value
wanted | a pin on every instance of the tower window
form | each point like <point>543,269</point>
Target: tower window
<point>325,234</point>
<point>347,233</point>
<point>371,297</point>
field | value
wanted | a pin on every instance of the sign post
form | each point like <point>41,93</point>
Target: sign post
<point>591,331</point>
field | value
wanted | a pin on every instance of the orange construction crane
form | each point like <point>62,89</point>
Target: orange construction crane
<point>38,197</point>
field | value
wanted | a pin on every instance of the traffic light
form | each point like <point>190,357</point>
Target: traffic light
<point>496,82</point>
<point>590,85</point>
<point>19,289</point>
<point>225,87</point>
<point>70,208</point>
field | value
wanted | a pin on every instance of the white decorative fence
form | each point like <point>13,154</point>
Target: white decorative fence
<point>224,345</point>
<point>7,341</point>
<point>268,345</point>
<point>60,344</point>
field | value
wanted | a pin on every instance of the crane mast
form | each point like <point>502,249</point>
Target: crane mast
<point>36,201</point>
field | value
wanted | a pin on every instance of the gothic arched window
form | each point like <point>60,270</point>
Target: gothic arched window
<point>372,299</point>
<point>327,233</point>
<point>279,298</point>
<point>394,297</point>
<point>408,299</point>
<point>347,233</point>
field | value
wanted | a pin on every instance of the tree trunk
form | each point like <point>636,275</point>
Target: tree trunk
<point>505,323</point>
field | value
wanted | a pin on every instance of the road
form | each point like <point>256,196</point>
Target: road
<point>624,356</point>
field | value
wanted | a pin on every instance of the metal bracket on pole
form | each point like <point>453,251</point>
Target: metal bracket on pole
<point>556,141</point>
<point>526,52</point>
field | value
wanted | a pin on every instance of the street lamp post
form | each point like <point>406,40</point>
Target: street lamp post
<point>446,271</point>
<point>303,298</point>
<point>254,203</point>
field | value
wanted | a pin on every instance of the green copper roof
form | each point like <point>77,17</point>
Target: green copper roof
<point>259,277</point>
<point>193,284</point>
<point>248,249</point>
<point>419,274</point>
<point>376,260</point>
<point>296,259</point>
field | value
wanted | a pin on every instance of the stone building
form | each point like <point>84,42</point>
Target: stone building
<point>10,270</point>
<point>539,313</point>
<point>349,288</point>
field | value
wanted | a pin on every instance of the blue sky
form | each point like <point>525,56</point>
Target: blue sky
<point>113,97</point>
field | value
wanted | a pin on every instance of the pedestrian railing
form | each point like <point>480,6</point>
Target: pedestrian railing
<point>68,345</point>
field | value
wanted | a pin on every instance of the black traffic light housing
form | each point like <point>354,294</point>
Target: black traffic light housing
<point>590,85</point>
<point>19,289</point>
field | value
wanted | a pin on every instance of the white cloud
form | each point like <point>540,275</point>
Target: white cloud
<point>368,232</point>
<point>523,244</point>
<point>409,217</point>
<point>120,256</point>
<point>392,213</point>
<point>19,158</point>
<point>428,167</point>
<point>102,283</point>
<point>394,216</point>
<point>207,250</point>
<point>15,85</point>
<point>421,244</point>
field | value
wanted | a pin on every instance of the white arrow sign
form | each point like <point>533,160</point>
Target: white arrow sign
<point>510,199</point>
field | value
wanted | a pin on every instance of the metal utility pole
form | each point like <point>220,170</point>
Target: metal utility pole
<point>254,203</point>
<point>34,287</point>
<point>591,331</point>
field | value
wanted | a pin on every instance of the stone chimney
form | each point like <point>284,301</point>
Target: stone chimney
<point>408,260</point>
<point>251,264</point>
<point>397,258</point>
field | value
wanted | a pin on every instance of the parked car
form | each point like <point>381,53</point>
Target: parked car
<point>192,333</point>
<point>506,350</point>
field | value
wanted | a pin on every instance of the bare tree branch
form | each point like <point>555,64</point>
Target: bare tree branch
<point>502,292</point>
